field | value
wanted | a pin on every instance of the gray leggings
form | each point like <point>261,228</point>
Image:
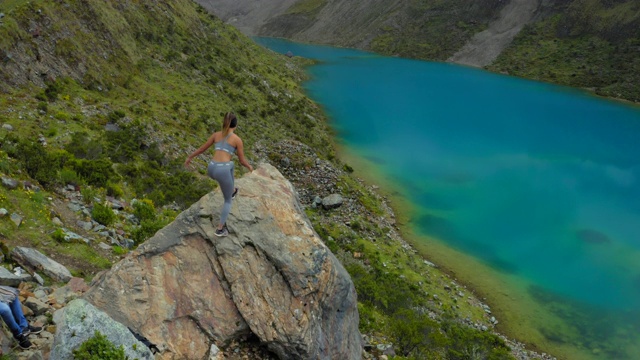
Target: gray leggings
<point>222,172</point>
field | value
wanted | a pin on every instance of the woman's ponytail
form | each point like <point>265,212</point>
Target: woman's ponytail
<point>226,123</point>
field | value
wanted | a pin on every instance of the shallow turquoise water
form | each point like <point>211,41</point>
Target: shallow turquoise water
<point>536,180</point>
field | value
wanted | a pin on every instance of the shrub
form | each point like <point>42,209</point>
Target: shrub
<point>36,161</point>
<point>88,194</point>
<point>43,106</point>
<point>125,145</point>
<point>119,250</point>
<point>146,230</point>
<point>58,235</point>
<point>95,172</point>
<point>82,147</point>
<point>144,210</point>
<point>103,214</point>
<point>114,190</point>
<point>52,91</point>
<point>68,176</point>
<point>99,348</point>
<point>415,334</point>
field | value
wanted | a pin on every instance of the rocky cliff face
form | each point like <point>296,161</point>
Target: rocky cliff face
<point>186,289</point>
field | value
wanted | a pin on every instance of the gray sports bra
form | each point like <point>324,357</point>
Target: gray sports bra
<point>225,146</point>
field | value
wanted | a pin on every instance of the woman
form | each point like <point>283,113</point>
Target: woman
<point>11,313</point>
<point>221,167</point>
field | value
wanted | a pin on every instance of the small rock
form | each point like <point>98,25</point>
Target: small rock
<point>74,207</point>
<point>38,278</point>
<point>56,221</point>
<point>84,225</point>
<point>8,278</point>
<point>9,183</point>
<point>17,219</point>
<point>7,127</point>
<point>104,246</point>
<point>37,306</point>
<point>332,201</point>
<point>3,212</point>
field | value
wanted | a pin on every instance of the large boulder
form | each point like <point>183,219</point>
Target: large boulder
<point>186,289</point>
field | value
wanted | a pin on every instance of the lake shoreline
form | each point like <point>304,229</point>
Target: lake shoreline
<point>402,211</point>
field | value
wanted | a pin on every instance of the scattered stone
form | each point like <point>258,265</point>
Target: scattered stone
<point>111,127</point>
<point>84,225</point>
<point>56,221</point>
<point>79,321</point>
<point>17,219</point>
<point>7,278</point>
<point>332,201</point>
<point>38,278</point>
<point>74,206</point>
<point>35,260</point>
<point>7,126</point>
<point>37,306</point>
<point>104,246</point>
<point>70,236</point>
<point>3,212</point>
<point>9,183</point>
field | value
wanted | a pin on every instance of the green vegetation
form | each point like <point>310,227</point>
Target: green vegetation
<point>306,7</point>
<point>99,348</point>
<point>594,47</point>
<point>103,214</point>
<point>401,298</point>
<point>137,89</point>
<point>435,30</point>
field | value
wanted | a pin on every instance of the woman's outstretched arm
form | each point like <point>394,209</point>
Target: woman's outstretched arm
<point>201,149</point>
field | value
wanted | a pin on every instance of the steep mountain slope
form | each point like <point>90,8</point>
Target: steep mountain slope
<point>486,45</point>
<point>592,44</point>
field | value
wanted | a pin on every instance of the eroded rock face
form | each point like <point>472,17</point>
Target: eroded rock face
<point>186,289</point>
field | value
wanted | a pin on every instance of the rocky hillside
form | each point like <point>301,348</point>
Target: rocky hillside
<point>591,44</point>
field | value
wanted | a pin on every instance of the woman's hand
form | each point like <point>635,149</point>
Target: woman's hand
<point>187,162</point>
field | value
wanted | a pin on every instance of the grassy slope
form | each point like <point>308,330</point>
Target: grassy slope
<point>585,44</point>
<point>435,30</point>
<point>174,69</point>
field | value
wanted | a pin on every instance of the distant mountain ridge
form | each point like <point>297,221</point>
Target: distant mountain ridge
<point>593,44</point>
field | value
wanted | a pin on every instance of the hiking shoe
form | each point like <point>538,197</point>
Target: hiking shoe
<point>233,196</point>
<point>23,341</point>
<point>32,330</point>
<point>222,232</point>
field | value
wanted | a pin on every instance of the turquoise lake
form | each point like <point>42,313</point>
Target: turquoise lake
<point>539,183</point>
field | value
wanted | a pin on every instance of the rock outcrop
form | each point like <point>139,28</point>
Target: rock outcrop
<point>185,289</point>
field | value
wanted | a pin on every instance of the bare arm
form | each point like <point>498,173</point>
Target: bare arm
<point>241,158</point>
<point>201,149</point>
